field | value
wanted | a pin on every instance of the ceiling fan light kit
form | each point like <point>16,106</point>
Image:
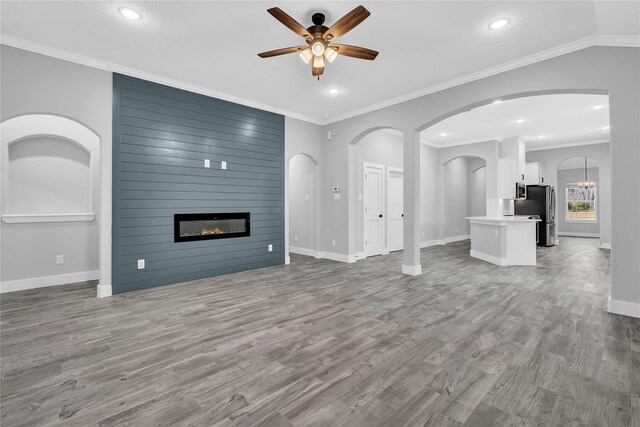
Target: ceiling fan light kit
<point>319,37</point>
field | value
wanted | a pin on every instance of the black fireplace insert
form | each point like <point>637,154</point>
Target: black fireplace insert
<point>204,226</point>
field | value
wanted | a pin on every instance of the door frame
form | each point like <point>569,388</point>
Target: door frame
<point>383,183</point>
<point>386,207</point>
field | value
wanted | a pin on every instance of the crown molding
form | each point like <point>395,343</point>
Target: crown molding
<point>618,41</point>
<point>610,41</point>
<point>115,68</point>
<point>552,146</point>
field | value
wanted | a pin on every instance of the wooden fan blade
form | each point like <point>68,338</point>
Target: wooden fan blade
<point>289,22</point>
<point>355,51</point>
<point>317,71</point>
<point>282,51</point>
<point>347,23</point>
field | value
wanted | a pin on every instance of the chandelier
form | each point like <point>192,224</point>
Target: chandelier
<point>586,186</point>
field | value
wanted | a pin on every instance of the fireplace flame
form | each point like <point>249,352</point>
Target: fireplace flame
<point>214,230</point>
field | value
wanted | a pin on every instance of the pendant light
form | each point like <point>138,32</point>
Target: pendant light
<point>586,186</point>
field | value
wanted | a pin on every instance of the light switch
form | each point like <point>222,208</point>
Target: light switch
<point>140,264</point>
<point>270,248</point>
<point>207,163</point>
<point>306,197</point>
<point>223,164</point>
<point>336,196</point>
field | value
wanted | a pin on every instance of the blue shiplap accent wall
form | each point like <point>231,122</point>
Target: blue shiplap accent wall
<point>161,136</point>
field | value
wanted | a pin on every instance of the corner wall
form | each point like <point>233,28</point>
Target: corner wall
<point>35,84</point>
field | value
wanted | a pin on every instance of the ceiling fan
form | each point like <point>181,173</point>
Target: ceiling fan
<point>319,39</point>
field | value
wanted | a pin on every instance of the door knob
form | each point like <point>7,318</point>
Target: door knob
<point>380,216</point>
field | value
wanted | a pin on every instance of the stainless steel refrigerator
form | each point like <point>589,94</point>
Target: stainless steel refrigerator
<point>540,201</point>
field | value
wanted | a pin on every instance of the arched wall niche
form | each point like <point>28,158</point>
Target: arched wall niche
<point>53,157</point>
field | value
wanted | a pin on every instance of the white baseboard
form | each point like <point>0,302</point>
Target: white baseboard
<point>336,257</point>
<point>624,308</point>
<point>303,251</point>
<point>41,282</point>
<point>412,270</point>
<point>489,258</point>
<point>360,255</point>
<point>429,243</point>
<point>576,234</point>
<point>104,291</point>
<point>456,238</point>
<point>605,245</point>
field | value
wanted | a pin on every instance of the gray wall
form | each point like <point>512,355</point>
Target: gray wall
<point>306,139</point>
<point>161,137</point>
<point>32,83</point>
<point>568,176</point>
<point>302,203</point>
<point>430,195</point>
<point>550,159</point>
<point>456,197</point>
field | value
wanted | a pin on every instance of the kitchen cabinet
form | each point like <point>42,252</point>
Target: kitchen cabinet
<point>534,173</point>
<point>507,171</point>
<point>514,149</point>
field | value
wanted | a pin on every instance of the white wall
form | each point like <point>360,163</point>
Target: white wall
<point>382,148</point>
<point>302,205</point>
<point>32,83</point>
<point>571,176</point>
<point>550,159</point>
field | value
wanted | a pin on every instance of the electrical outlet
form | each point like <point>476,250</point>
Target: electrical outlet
<point>59,259</point>
<point>207,163</point>
<point>140,264</point>
<point>223,164</point>
<point>270,248</point>
<point>333,243</point>
<point>295,237</point>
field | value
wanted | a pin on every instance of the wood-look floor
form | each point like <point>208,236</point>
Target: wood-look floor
<point>323,343</point>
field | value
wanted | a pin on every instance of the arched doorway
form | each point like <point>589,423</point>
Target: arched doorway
<point>303,204</point>
<point>377,196</point>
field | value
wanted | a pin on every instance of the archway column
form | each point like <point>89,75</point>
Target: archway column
<point>411,196</point>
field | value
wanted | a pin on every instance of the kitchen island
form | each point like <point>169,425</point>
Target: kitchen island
<point>507,240</point>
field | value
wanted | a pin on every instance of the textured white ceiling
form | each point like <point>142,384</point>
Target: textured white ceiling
<point>212,45</point>
<point>564,119</point>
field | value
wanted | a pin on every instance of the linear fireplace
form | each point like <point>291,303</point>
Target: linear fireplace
<point>204,226</point>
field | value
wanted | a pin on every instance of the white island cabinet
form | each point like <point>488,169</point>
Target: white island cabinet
<point>509,240</point>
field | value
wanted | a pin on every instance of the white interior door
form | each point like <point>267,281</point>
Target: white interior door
<point>373,209</point>
<point>394,209</point>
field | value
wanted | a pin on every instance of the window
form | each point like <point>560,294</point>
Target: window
<point>581,202</point>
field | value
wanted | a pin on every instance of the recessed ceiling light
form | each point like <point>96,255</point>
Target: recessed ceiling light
<point>605,128</point>
<point>497,101</point>
<point>520,121</point>
<point>333,91</point>
<point>130,13</point>
<point>499,23</point>
<point>598,107</point>
<point>540,136</point>
<point>444,134</point>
